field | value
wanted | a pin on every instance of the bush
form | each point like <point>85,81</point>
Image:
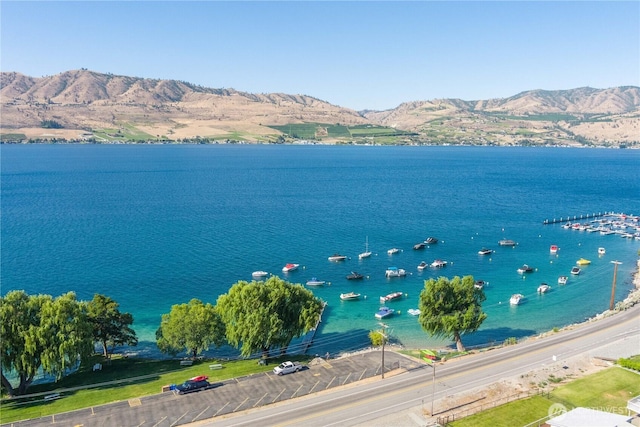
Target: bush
<point>630,364</point>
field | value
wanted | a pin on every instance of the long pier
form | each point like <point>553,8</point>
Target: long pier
<point>576,217</point>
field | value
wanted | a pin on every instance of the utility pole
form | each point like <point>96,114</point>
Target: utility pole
<point>613,286</point>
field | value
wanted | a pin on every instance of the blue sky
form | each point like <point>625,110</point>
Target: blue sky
<point>360,55</point>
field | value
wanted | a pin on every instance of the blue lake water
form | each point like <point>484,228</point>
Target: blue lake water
<point>153,226</point>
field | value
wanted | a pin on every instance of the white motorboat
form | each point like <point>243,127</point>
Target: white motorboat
<point>414,311</point>
<point>575,271</point>
<point>395,272</point>
<point>259,274</point>
<point>393,251</point>
<point>602,251</point>
<point>422,266</point>
<point>337,257</point>
<point>507,242</point>
<point>349,296</point>
<point>544,288</point>
<point>315,282</point>
<point>562,280</point>
<point>438,263</point>
<point>516,299</point>
<point>485,251</point>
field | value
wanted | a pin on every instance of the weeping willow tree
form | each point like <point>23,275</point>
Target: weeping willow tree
<point>260,316</point>
<point>451,308</point>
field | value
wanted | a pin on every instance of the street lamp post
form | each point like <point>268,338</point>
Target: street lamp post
<point>384,341</point>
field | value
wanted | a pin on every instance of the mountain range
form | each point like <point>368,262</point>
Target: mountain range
<point>87,105</point>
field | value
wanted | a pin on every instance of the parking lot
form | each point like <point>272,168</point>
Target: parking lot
<point>233,395</point>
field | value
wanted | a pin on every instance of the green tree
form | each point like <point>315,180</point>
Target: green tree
<point>110,326</point>
<point>192,327</point>
<point>451,308</point>
<point>40,332</point>
<point>264,315</point>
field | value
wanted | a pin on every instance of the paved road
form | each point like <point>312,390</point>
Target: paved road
<point>365,403</point>
<point>349,391</point>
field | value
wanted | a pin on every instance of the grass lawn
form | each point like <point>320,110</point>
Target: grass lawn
<point>608,389</point>
<point>121,380</point>
<point>516,413</point>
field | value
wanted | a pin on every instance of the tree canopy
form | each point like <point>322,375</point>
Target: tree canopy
<point>110,326</point>
<point>260,316</point>
<point>192,327</point>
<point>40,332</point>
<point>451,308</point>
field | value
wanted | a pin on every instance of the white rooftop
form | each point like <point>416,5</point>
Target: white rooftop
<point>585,417</point>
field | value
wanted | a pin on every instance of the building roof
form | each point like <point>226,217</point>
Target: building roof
<point>586,417</point>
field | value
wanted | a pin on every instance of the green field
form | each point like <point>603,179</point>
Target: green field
<point>336,131</point>
<point>12,136</point>
<point>608,389</point>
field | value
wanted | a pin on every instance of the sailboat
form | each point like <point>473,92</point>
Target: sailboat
<point>366,253</point>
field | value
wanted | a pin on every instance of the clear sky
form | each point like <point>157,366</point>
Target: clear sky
<point>360,55</point>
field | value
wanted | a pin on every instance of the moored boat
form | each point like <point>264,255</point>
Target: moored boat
<point>553,249</point>
<point>414,311</point>
<point>602,251</point>
<point>259,274</point>
<point>575,271</point>
<point>562,280</point>
<point>516,299</point>
<point>384,312</point>
<point>419,246</point>
<point>543,288</point>
<point>422,266</point>
<point>525,269</point>
<point>395,272</point>
<point>354,276</point>
<point>337,257</point>
<point>583,261</point>
<point>480,284</point>
<point>290,267</point>
<point>507,242</point>
<point>485,251</point>
<point>349,296</point>
<point>438,263</point>
<point>393,251</point>
<point>431,241</point>
<point>366,253</point>
<point>315,282</point>
<point>391,297</point>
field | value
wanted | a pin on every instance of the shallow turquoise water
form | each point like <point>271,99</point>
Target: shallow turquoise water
<point>153,226</point>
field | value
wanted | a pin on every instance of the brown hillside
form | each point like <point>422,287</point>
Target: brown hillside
<point>86,102</point>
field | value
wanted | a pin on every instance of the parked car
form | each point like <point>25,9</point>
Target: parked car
<point>287,368</point>
<point>193,385</point>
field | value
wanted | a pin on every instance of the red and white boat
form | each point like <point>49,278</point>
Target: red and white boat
<point>553,249</point>
<point>290,267</point>
<point>391,296</point>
